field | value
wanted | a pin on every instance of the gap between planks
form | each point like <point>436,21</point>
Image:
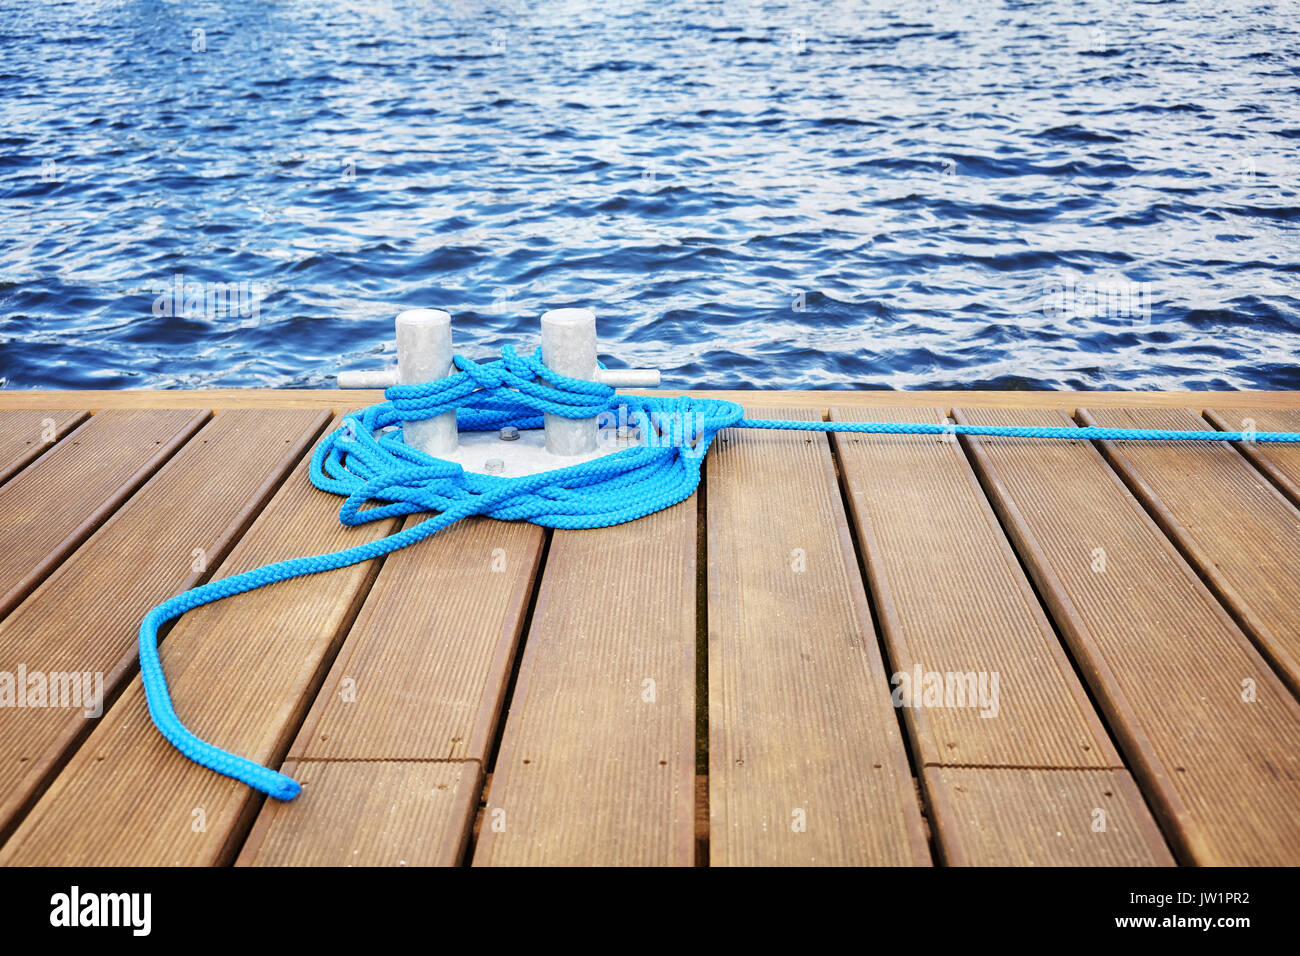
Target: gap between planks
<point>1162,655</point>
<point>86,614</point>
<point>968,607</point>
<point>697,781</point>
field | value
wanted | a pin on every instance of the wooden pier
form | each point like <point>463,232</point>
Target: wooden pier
<point>1112,632</point>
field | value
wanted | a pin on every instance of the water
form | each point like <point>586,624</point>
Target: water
<point>819,195</point>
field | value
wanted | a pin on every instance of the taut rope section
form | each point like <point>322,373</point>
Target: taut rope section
<point>366,462</point>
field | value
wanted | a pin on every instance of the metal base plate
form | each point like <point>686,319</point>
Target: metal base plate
<point>527,454</point>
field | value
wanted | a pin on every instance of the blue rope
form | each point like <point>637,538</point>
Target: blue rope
<point>366,461</point>
<point>1091,433</point>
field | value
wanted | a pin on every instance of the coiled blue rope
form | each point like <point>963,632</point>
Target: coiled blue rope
<point>366,461</point>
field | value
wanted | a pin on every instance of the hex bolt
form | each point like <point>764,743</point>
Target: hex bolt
<point>494,466</point>
<point>509,433</point>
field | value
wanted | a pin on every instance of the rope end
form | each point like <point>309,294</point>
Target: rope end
<point>286,788</point>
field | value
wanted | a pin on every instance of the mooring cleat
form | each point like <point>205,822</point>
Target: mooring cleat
<point>424,354</point>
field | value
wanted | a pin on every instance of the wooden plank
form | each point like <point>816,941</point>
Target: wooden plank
<point>1070,817</point>
<point>597,760</point>
<point>28,431</point>
<point>86,616</point>
<point>1165,662</point>
<point>966,608</point>
<point>1280,462</point>
<point>963,607</point>
<point>242,672</point>
<point>59,500</point>
<point>806,759</point>
<point>431,651</point>
<point>370,813</point>
<point>750,398</point>
<point>1230,522</point>
<point>413,696</point>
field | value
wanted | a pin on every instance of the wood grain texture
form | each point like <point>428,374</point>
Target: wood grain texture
<point>1164,660</point>
<point>594,779</point>
<point>86,616</point>
<point>54,504</point>
<point>597,759</point>
<point>952,599</point>
<point>370,813</point>
<point>1237,529</point>
<point>25,430</point>
<point>341,399</point>
<point>242,673</point>
<point>421,678</point>
<point>801,727</point>
<point>1281,463</point>
<point>430,653</point>
<point>1006,817</point>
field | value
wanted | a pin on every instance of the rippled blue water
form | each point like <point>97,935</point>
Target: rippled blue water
<point>838,194</point>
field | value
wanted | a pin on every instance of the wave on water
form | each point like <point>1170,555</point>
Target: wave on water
<point>749,195</point>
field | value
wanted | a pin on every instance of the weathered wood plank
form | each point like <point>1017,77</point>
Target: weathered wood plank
<point>951,599</point>
<point>369,813</point>
<point>1208,729</point>
<point>85,617</point>
<point>756,398</point>
<point>806,759</point>
<point>950,596</point>
<point>242,672</point>
<point>1231,523</point>
<point>56,503</point>
<point>597,760</point>
<point>28,431</point>
<point>413,696</point>
<point>1070,817</point>
<point>1280,462</point>
<point>430,653</point>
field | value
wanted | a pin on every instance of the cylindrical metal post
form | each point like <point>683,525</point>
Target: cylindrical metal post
<point>368,378</point>
<point>423,355</point>
<point>628,377</point>
<point>569,347</point>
